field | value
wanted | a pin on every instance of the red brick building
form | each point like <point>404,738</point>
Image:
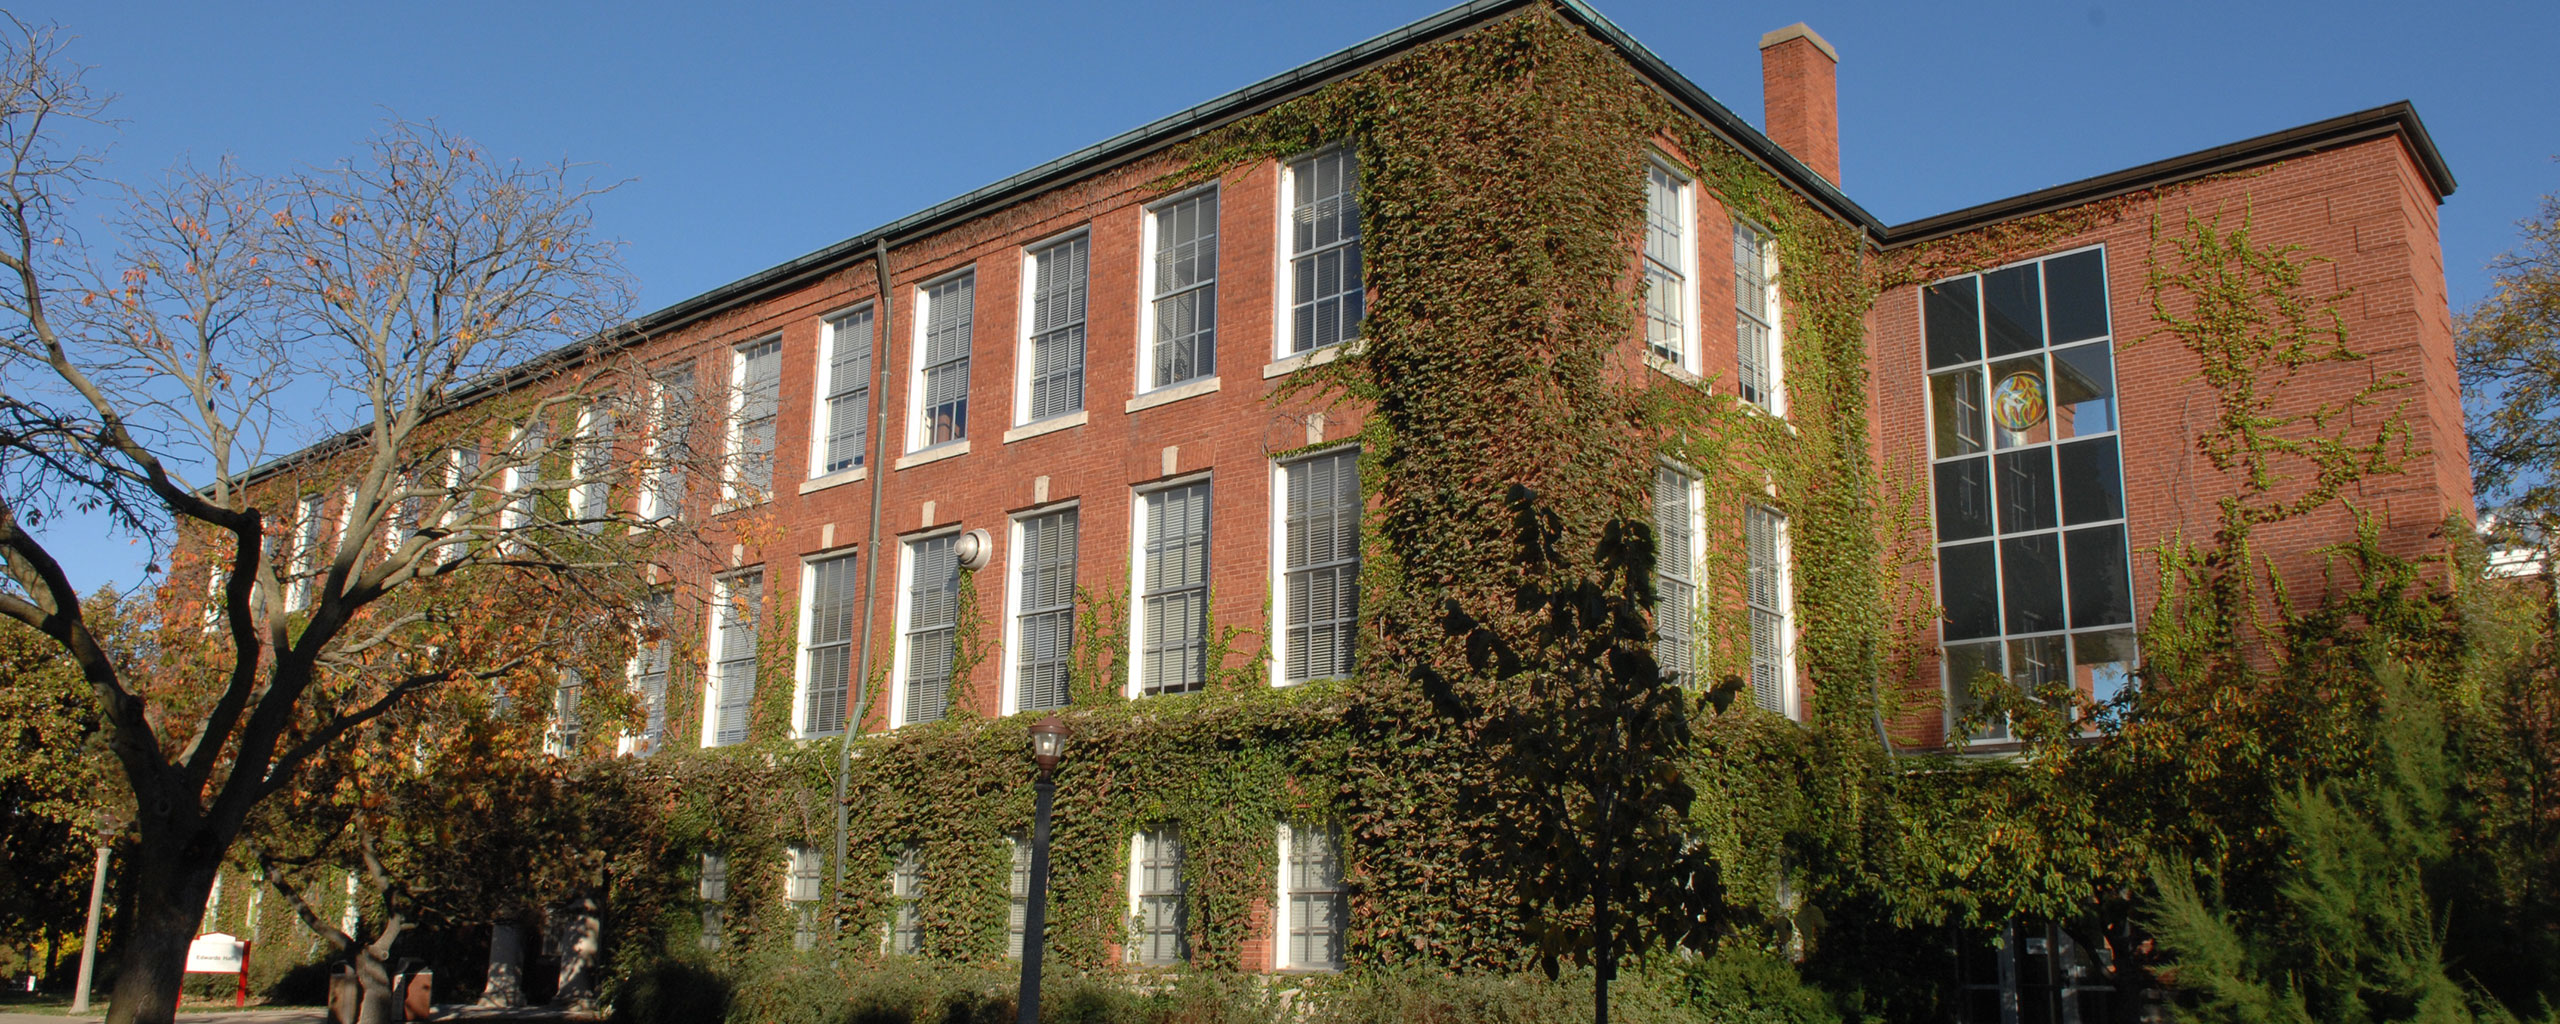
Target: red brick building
<point>1073,380</point>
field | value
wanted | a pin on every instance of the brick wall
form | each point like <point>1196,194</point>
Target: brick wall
<point>2363,207</point>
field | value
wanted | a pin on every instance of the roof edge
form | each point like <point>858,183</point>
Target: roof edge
<point>2395,119</point>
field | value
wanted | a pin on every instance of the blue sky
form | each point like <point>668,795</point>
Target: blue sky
<point>749,134</point>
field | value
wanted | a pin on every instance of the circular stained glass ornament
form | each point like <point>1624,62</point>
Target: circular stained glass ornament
<point>2017,403</point>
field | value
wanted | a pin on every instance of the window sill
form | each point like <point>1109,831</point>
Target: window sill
<point>1176,393</point>
<point>737,504</point>
<point>937,453</point>
<point>1677,372</point>
<point>1048,426</point>
<point>1313,357</point>
<point>838,478</point>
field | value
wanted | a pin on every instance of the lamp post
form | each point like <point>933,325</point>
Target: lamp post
<point>1048,744</point>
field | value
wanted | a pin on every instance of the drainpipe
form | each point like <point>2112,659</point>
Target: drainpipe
<point>879,479</point>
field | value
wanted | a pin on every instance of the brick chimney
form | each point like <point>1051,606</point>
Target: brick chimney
<point>1799,86</point>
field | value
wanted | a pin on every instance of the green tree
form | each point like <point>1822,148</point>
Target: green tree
<point>2509,357</point>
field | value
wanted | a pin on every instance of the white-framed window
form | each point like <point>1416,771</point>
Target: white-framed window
<point>522,481</point>
<point>565,735</point>
<point>1679,554</point>
<point>669,449</point>
<point>591,467</point>
<point>1179,341</point>
<point>906,894</point>
<point>651,659</point>
<point>1049,370</point>
<point>1771,598</point>
<point>928,629</point>
<point>711,890</point>
<point>1314,905</point>
<point>842,428</point>
<point>938,409</point>
<point>1316,597</point>
<point>829,599</point>
<point>1018,891</point>
<point>461,478</point>
<point>737,600</point>
<point>1171,605</point>
<point>1759,355</point>
<point>310,530</point>
<point>755,401</point>
<point>1042,630</point>
<point>1323,297</point>
<point>1157,897</point>
<point>1670,266</point>
<point>2027,480</point>
<point>802,869</point>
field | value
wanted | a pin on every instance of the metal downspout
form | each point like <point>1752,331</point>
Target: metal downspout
<point>879,475</point>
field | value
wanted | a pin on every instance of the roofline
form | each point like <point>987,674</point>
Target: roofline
<point>2396,119</point>
<point>1136,142</point>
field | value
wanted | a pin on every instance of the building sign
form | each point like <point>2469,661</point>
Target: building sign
<point>216,954</point>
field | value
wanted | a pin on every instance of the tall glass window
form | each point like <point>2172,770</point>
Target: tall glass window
<point>1045,623</point>
<point>906,891</point>
<point>830,599</point>
<point>1320,566</point>
<point>1159,919</point>
<point>933,620</point>
<point>1326,298</point>
<point>758,384</point>
<point>1675,574</point>
<point>1317,903</point>
<point>942,363</point>
<point>1773,630</point>
<point>733,649</point>
<point>649,667</point>
<point>1755,320</point>
<point>1669,258</point>
<point>2033,569</point>
<point>1173,592</point>
<point>844,408</point>
<point>1183,291</point>
<point>1055,347</point>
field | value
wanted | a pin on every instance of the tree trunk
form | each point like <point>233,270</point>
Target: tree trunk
<point>380,1005</point>
<point>581,939</point>
<point>506,966</point>
<point>168,890</point>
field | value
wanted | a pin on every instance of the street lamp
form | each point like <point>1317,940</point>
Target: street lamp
<point>1048,745</point>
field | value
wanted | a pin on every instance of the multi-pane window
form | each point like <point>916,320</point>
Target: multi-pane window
<point>932,627</point>
<point>1054,336</point>
<point>712,890</point>
<point>906,894</point>
<point>1764,539</point>
<point>1182,291</point>
<point>945,327</point>
<point>462,475</point>
<point>801,890</point>
<point>1173,589</point>
<point>1755,318</point>
<point>733,654</point>
<point>523,482</point>
<point>1045,620</point>
<point>1018,903</point>
<point>2033,568</point>
<point>1319,565</point>
<point>830,596</point>
<point>670,448</point>
<point>1325,295</point>
<point>309,530</point>
<point>1315,900</point>
<point>1157,918</point>
<point>755,401</point>
<point>1675,574</point>
<point>649,667</point>
<point>566,733</point>
<point>591,467</point>
<point>1669,258</point>
<point>844,405</point>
